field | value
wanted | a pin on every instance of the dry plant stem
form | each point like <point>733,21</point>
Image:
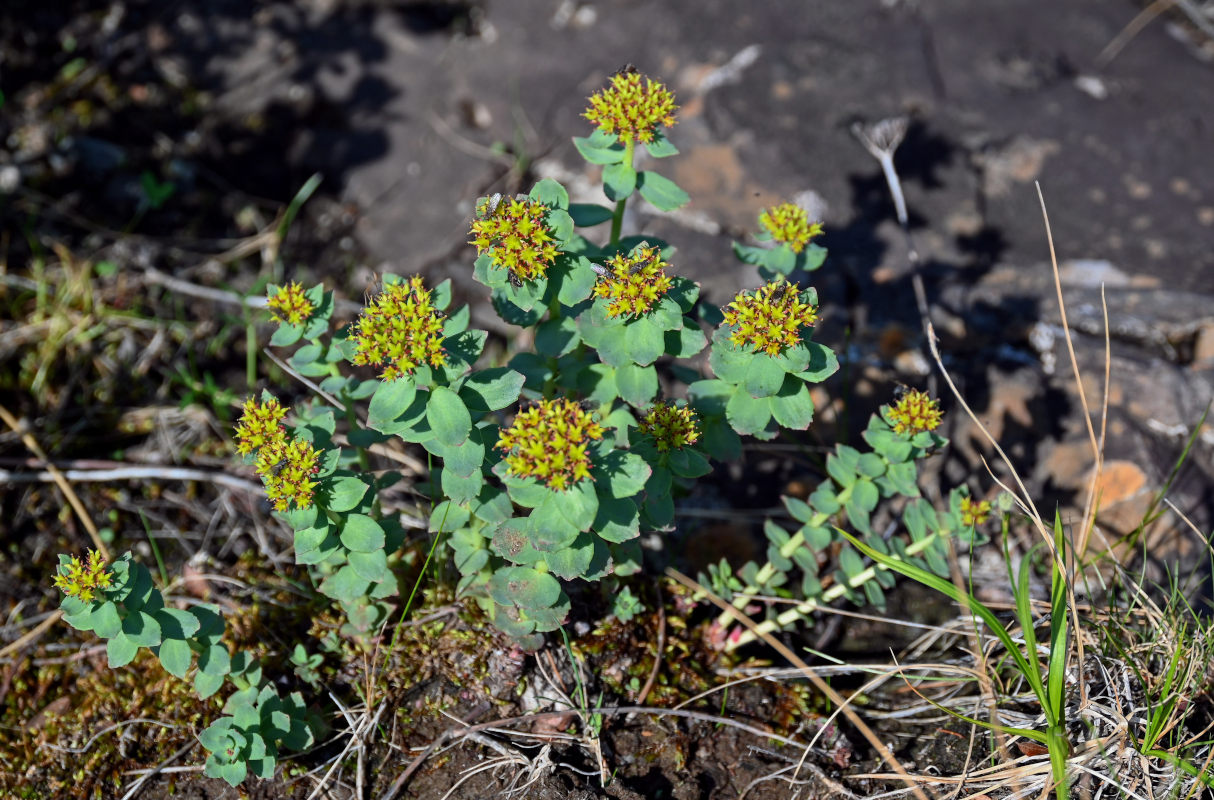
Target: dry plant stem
<point>1092,502</point>
<point>1023,499</point>
<point>1070,348</point>
<point>455,733</point>
<point>77,507</point>
<point>984,678</point>
<point>814,678</point>
<point>133,473</point>
<point>1132,29</point>
<point>1078,549</point>
<point>57,476</point>
<point>814,603</point>
<point>133,792</point>
<point>661,648</point>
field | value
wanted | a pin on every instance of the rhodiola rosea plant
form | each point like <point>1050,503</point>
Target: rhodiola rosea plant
<point>546,469</point>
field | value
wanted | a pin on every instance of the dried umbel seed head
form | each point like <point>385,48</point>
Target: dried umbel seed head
<point>516,238</point>
<point>789,224</point>
<point>882,138</point>
<point>914,412</point>
<point>85,580</point>
<point>770,319</point>
<point>548,441</point>
<point>400,330</point>
<point>632,107</point>
<point>289,304</point>
<point>974,513</point>
<point>671,426</point>
<point>633,284</point>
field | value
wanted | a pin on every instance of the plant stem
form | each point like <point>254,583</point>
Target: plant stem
<point>830,595</point>
<point>795,542</point>
<point>617,219</point>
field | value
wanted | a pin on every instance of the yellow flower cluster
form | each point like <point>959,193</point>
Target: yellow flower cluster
<point>84,580</point>
<point>631,111</point>
<point>402,329</point>
<point>789,223</point>
<point>286,465</point>
<point>260,424</point>
<point>289,304</point>
<point>771,318</point>
<point>974,513</point>
<point>671,426</point>
<point>915,412</point>
<point>548,441</point>
<point>515,237</point>
<point>634,283</point>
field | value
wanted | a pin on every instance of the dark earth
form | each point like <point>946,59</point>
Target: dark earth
<point>411,110</point>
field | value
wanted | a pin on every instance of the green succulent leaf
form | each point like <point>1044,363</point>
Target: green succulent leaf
<point>491,389</point>
<point>619,181</point>
<point>215,660</point>
<point>600,148</point>
<point>105,620</point>
<point>660,146</point>
<point>587,215</point>
<point>448,416</point>
<point>579,504</point>
<point>390,401</point>
<point>372,566</point>
<point>120,651</point>
<point>764,375</point>
<point>176,623</point>
<point>462,459</point>
<point>575,280</point>
<point>556,337</point>
<point>645,340</point>
<point>746,414</point>
<point>637,385</point>
<point>617,520</point>
<point>688,463</point>
<point>550,193</point>
<point>812,257</point>
<point>822,363</point>
<point>462,488</point>
<point>511,541</point>
<point>525,587</point>
<point>141,628</point>
<point>207,684</point>
<point>623,474</point>
<point>561,226</point>
<point>344,493</point>
<point>345,585</point>
<point>233,774</point>
<point>362,534</point>
<point>175,657</point>
<point>686,342</point>
<point>549,530</point>
<point>661,192</point>
<point>793,407</point>
<point>286,335</point>
<point>576,560</point>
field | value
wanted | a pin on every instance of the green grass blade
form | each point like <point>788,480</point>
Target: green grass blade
<point>1029,670</point>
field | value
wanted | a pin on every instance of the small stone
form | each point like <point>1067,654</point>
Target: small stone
<point>1091,273</point>
<point>1203,347</point>
<point>1092,86</point>
<point>10,179</point>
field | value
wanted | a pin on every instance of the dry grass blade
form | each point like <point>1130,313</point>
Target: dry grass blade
<point>77,506</point>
